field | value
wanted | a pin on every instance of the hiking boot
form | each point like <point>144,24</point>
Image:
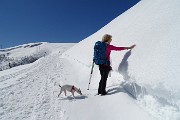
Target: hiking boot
<point>104,94</point>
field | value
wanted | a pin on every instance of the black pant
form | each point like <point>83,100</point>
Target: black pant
<point>104,71</point>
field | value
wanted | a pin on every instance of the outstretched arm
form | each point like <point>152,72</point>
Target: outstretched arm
<point>131,47</point>
<point>111,47</point>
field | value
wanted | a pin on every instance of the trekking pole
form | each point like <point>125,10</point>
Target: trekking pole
<point>91,75</point>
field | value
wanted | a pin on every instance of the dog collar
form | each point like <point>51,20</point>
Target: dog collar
<point>72,88</point>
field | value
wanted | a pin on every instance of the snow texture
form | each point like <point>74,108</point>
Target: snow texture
<point>144,83</point>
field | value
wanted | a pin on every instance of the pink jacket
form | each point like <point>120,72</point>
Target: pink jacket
<point>111,47</point>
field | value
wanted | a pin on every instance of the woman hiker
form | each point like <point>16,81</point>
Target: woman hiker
<point>105,68</point>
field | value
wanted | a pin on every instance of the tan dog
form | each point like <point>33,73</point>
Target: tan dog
<point>69,88</point>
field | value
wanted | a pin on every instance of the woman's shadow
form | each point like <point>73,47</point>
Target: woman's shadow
<point>123,66</point>
<point>123,70</point>
<point>131,87</point>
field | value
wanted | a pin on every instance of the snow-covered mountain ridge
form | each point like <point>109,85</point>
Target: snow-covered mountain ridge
<point>151,69</point>
<point>25,54</point>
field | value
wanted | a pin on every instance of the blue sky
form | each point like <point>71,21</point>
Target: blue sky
<point>27,21</point>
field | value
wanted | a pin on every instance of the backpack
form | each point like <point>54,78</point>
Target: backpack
<point>100,53</point>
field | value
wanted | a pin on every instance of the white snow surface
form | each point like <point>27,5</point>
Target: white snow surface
<point>144,83</point>
<point>30,92</point>
<point>151,70</point>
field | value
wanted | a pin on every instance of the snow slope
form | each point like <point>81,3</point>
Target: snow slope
<point>29,92</point>
<point>151,70</point>
<point>143,85</point>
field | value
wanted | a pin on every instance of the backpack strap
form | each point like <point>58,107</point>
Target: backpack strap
<point>108,62</point>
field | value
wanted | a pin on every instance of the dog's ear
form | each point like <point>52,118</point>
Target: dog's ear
<point>80,91</point>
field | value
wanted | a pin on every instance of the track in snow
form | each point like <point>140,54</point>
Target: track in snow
<point>31,93</point>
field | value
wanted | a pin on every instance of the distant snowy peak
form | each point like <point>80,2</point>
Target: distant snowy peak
<point>21,46</point>
<point>27,53</point>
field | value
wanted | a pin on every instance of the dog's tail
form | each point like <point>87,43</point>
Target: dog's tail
<point>59,86</point>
